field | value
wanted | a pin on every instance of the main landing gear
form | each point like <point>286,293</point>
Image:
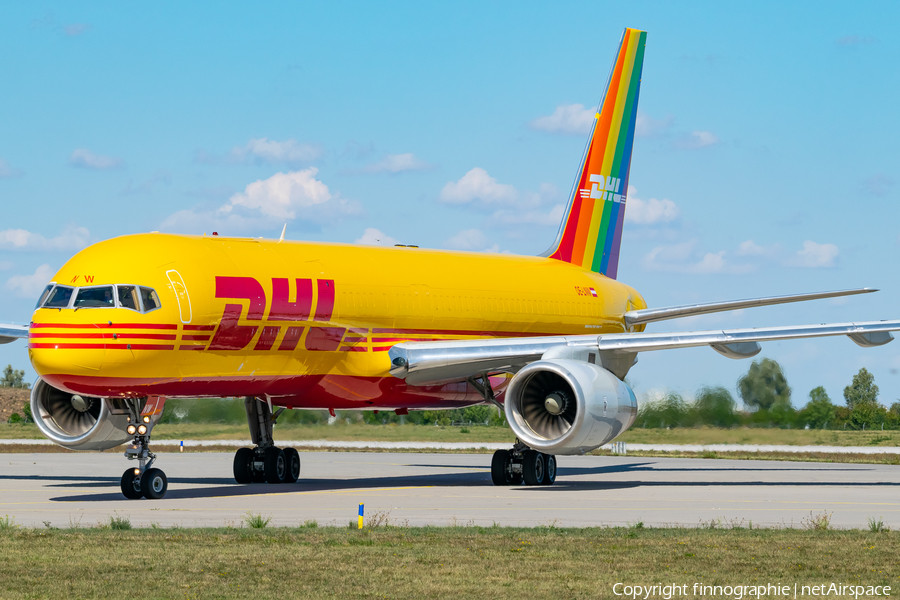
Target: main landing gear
<point>512,467</point>
<point>144,480</point>
<point>264,463</point>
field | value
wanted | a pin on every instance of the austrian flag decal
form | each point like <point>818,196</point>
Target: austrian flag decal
<point>593,292</point>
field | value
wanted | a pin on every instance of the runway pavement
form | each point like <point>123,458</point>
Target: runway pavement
<point>443,489</point>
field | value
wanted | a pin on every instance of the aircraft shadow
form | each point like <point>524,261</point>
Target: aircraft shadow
<point>225,487</point>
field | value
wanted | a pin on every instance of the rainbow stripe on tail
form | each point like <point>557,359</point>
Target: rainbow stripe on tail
<point>591,233</point>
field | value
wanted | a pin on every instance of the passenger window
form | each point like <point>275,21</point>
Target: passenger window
<point>128,297</point>
<point>59,297</point>
<point>44,296</point>
<point>149,299</point>
<point>95,297</point>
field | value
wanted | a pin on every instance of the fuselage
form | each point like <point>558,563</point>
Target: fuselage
<point>306,325</point>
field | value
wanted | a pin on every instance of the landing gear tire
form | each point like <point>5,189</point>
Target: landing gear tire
<point>131,485</point>
<point>154,484</point>
<point>534,468</point>
<point>292,458</point>
<point>275,465</point>
<point>242,461</point>
<point>501,474</point>
<point>549,469</point>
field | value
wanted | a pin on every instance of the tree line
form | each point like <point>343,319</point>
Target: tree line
<point>764,391</point>
<point>766,397</point>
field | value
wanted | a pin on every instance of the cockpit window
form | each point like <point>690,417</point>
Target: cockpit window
<point>95,297</point>
<point>149,299</point>
<point>59,297</point>
<point>128,297</point>
<point>44,295</point>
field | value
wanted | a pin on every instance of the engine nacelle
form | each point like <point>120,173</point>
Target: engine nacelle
<point>79,422</point>
<point>565,406</point>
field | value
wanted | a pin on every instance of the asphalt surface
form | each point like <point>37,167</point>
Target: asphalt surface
<point>65,490</point>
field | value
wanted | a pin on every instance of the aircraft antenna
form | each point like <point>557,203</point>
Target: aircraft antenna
<point>283,229</point>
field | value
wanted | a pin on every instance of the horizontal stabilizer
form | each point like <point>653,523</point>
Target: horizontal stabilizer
<point>649,315</point>
<point>10,333</point>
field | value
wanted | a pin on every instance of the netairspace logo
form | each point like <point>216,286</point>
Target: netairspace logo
<point>739,592</point>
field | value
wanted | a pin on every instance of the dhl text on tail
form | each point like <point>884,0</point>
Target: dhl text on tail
<point>549,340</point>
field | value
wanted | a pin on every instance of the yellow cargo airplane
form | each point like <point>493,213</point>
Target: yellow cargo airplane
<point>547,339</point>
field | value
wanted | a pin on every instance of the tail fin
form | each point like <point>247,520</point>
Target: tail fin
<point>591,232</point>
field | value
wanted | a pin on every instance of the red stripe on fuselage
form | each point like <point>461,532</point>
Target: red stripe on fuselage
<point>105,325</point>
<point>102,346</point>
<point>93,336</point>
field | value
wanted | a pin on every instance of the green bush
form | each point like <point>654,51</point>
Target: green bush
<point>15,418</point>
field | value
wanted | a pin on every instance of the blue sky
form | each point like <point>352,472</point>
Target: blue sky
<point>767,158</point>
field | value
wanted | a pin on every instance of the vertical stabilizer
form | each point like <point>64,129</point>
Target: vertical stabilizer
<point>591,232</point>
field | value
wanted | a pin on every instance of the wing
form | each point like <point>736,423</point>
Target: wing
<point>432,362</point>
<point>649,315</point>
<point>10,333</point>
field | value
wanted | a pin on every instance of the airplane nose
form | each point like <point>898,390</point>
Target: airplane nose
<point>57,353</point>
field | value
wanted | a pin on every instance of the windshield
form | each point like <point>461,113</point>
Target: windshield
<point>59,297</point>
<point>149,299</point>
<point>132,297</point>
<point>44,295</point>
<point>128,297</point>
<point>95,297</point>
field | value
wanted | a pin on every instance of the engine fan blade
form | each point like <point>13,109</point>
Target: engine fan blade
<point>68,418</point>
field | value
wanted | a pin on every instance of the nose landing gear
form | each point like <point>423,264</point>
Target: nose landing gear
<point>143,480</point>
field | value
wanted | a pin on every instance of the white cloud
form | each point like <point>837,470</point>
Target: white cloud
<point>751,248</point>
<point>75,29</point>
<point>71,238</point>
<point>286,151</point>
<point>855,40</point>
<point>878,184</point>
<point>85,159</point>
<point>265,151</point>
<point>814,256</point>
<point>683,258</point>
<point>397,163</point>
<point>374,237</point>
<point>471,239</point>
<point>267,203</point>
<point>530,217</point>
<point>696,140</point>
<point>646,126</point>
<point>649,212</point>
<point>478,185</point>
<point>572,119</point>
<point>6,171</point>
<point>30,286</point>
<point>160,176</point>
<point>282,194</point>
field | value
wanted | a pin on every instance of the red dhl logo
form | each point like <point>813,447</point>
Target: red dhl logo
<point>232,336</point>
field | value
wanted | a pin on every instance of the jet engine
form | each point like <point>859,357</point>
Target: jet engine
<point>79,422</point>
<point>566,406</point>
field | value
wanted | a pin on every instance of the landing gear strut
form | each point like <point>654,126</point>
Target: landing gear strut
<point>143,480</point>
<point>264,462</point>
<point>512,467</point>
<point>521,463</point>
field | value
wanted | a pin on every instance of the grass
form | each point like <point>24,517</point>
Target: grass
<point>257,521</point>
<point>464,562</point>
<point>341,431</point>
